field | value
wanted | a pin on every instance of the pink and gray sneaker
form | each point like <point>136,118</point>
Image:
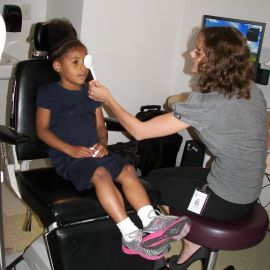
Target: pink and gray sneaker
<point>164,229</point>
<point>134,247</point>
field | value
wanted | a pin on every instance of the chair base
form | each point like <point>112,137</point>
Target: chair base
<point>93,245</point>
<point>36,255</point>
<point>90,245</point>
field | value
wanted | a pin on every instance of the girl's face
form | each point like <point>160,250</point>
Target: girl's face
<point>71,69</point>
<point>197,54</point>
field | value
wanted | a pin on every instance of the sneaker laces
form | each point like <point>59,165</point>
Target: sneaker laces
<point>159,214</point>
<point>134,236</point>
<point>152,213</point>
<point>157,221</point>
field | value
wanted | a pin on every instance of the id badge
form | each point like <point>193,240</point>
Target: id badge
<point>198,201</point>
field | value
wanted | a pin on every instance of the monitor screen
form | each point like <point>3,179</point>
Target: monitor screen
<point>253,31</point>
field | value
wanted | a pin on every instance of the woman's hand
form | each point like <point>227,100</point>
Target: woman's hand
<point>98,92</point>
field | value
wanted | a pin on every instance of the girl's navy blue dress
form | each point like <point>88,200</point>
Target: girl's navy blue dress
<point>73,120</point>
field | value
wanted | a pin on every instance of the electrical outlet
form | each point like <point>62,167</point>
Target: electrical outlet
<point>26,11</point>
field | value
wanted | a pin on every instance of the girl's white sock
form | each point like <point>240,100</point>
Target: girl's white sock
<point>146,214</point>
<point>126,227</point>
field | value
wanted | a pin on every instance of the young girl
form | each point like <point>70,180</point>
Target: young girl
<point>229,115</point>
<point>73,126</point>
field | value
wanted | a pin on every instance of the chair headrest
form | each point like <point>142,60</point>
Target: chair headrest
<point>41,40</point>
<point>47,34</point>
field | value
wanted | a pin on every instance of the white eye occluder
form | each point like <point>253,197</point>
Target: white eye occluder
<point>88,63</point>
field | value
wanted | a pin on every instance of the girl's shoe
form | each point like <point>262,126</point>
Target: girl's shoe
<point>200,254</point>
<point>164,229</point>
<point>134,248</point>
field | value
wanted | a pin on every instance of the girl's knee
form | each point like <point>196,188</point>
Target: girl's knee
<point>101,174</point>
<point>127,174</point>
<point>129,170</point>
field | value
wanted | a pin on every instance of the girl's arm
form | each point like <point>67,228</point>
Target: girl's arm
<point>156,127</point>
<point>101,128</point>
<point>43,117</point>
<point>100,148</point>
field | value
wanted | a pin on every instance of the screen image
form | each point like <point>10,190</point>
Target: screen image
<point>253,31</point>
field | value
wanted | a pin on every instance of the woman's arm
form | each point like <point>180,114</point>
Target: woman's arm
<point>43,117</point>
<point>156,127</point>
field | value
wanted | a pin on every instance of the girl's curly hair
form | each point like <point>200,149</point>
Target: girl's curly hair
<point>59,29</point>
<point>226,67</point>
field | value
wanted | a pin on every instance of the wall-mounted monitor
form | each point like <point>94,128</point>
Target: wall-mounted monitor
<point>253,31</point>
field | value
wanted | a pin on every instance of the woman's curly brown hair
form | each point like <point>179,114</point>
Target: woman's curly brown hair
<point>226,67</point>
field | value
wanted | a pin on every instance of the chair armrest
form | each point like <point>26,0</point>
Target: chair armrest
<point>112,124</point>
<point>9,135</point>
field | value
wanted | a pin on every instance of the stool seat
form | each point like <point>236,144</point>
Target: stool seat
<point>236,235</point>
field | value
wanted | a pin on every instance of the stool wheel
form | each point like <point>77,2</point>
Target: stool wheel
<point>230,267</point>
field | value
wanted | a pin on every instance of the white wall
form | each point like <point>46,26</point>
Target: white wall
<point>71,10</point>
<point>17,44</point>
<point>134,45</point>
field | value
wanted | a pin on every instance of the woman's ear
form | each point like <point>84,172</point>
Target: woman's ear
<point>56,66</point>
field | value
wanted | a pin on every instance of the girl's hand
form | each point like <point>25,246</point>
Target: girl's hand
<point>99,150</point>
<point>98,92</point>
<point>79,151</point>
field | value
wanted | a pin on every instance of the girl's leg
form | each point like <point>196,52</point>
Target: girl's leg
<point>132,188</point>
<point>136,194</point>
<point>159,230</point>
<point>108,194</point>
<point>112,202</point>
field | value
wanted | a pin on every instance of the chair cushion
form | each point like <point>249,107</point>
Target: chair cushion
<point>235,235</point>
<point>54,199</point>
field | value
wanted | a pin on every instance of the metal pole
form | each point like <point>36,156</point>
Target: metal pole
<point>210,264</point>
<point>2,242</point>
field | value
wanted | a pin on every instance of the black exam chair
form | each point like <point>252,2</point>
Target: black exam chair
<point>78,234</point>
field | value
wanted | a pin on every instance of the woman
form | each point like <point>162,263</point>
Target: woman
<point>229,115</point>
